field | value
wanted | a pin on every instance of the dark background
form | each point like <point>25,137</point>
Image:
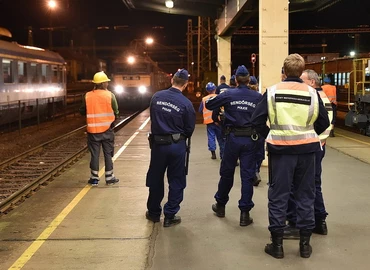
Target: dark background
<point>78,20</point>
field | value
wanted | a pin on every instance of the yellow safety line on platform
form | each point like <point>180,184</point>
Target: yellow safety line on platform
<point>31,250</point>
<point>349,138</point>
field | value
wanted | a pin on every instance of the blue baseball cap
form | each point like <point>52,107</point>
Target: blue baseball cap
<point>252,80</point>
<point>182,74</point>
<point>327,80</point>
<point>210,87</point>
<point>241,71</point>
<point>223,77</point>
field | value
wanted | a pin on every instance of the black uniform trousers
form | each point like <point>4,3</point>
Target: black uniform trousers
<point>172,158</point>
<point>296,172</point>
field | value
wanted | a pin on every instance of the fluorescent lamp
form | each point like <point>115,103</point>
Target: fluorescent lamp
<point>169,3</point>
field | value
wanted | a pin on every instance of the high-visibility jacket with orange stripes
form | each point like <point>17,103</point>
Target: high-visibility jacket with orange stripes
<point>99,112</point>
<point>207,114</point>
<point>331,92</point>
<point>293,108</point>
<point>323,136</point>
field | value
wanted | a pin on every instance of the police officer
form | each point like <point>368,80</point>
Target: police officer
<point>213,127</point>
<point>222,86</point>
<point>311,78</point>
<point>100,107</point>
<point>296,114</point>
<point>239,104</point>
<point>172,121</point>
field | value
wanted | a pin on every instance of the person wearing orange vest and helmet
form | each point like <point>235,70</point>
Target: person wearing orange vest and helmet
<point>213,128</point>
<point>331,93</point>
<point>297,115</point>
<point>100,107</point>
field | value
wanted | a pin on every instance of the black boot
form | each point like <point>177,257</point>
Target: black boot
<point>320,227</point>
<point>275,249</point>
<point>305,248</point>
<point>245,219</point>
<point>331,134</point>
<point>256,179</point>
<point>219,209</point>
<point>213,154</point>
<point>168,222</point>
<point>291,232</point>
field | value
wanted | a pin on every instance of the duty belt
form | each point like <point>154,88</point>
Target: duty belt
<point>243,132</point>
<point>168,138</point>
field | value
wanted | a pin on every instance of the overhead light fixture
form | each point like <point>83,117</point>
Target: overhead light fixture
<point>169,3</point>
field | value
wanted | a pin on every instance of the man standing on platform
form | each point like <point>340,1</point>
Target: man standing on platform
<point>172,122</point>
<point>296,114</point>
<point>331,92</point>
<point>222,85</point>
<point>100,107</point>
<point>239,104</point>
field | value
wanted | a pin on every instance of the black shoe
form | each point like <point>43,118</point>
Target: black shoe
<point>305,248</point>
<point>93,182</point>
<point>291,232</point>
<point>151,218</point>
<point>331,134</point>
<point>245,219</point>
<point>112,181</point>
<point>256,179</point>
<point>275,249</point>
<point>218,209</point>
<point>321,227</point>
<point>213,155</point>
<point>168,222</point>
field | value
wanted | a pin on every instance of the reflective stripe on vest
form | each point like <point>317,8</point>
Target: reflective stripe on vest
<point>292,108</point>
<point>323,136</point>
<point>99,112</point>
<point>331,92</point>
<point>207,114</point>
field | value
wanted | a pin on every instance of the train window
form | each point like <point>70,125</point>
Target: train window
<point>339,79</point>
<point>22,72</point>
<point>34,73</point>
<point>44,68</point>
<point>54,75</point>
<point>8,73</point>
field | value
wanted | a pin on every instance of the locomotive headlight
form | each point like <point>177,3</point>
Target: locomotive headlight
<point>142,89</point>
<point>118,89</point>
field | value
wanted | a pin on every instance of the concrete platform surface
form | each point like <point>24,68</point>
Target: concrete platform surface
<point>68,225</point>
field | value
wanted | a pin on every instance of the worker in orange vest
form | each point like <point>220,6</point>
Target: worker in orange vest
<point>100,107</point>
<point>331,92</point>
<point>213,128</point>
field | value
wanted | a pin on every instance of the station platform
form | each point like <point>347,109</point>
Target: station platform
<point>70,225</point>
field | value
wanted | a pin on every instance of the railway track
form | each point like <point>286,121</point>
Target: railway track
<point>24,174</point>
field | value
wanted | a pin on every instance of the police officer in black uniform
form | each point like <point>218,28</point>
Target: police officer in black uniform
<point>172,121</point>
<point>222,85</point>
<point>239,104</point>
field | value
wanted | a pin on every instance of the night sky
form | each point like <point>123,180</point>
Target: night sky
<point>82,17</point>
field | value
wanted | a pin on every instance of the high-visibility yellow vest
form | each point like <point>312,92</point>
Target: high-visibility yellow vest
<point>207,114</point>
<point>331,92</point>
<point>292,109</point>
<point>323,136</point>
<point>99,112</point>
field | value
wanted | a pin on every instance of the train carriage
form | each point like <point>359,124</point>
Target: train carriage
<point>32,81</point>
<point>351,76</point>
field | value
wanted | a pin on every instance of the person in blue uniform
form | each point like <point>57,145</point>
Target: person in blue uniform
<point>297,115</point>
<point>260,150</point>
<point>172,118</point>
<point>222,86</point>
<point>239,104</point>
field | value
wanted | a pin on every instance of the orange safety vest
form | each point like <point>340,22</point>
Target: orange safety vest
<point>207,114</point>
<point>99,112</point>
<point>331,92</point>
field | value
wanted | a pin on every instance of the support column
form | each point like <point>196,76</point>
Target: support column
<point>273,41</point>
<point>223,58</point>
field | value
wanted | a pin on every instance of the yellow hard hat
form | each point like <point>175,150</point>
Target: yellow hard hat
<point>100,77</point>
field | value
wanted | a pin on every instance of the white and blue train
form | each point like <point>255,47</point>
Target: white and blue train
<point>32,82</point>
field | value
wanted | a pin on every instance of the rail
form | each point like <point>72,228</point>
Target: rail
<point>20,176</point>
